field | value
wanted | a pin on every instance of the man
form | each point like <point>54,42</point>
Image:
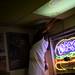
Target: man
<point>37,64</point>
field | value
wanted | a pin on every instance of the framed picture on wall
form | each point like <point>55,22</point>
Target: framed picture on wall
<point>18,54</point>
<point>2,53</point>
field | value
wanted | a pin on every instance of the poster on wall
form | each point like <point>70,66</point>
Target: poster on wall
<point>17,45</point>
<point>2,53</point>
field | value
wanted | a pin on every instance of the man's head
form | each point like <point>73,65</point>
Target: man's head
<point>40,34</point>
<point>46,36</point>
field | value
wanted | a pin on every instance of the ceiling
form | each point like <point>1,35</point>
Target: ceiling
<point>19,12</point>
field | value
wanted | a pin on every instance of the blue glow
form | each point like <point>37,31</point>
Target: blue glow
<point>65,47</point>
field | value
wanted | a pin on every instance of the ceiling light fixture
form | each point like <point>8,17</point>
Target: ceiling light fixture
<point>55,7</point>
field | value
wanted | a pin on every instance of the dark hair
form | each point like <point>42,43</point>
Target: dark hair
<point>46,35</point>
<point>39,36</point>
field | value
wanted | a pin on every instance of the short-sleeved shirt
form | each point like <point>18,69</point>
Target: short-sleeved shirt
<point>37,53</point>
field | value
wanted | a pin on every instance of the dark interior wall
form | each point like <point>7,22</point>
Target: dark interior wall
<point>63,25</point>
<point>13,29</point>
<point>30,32</point>
<point>69,22</point>
<point>58,27</point>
